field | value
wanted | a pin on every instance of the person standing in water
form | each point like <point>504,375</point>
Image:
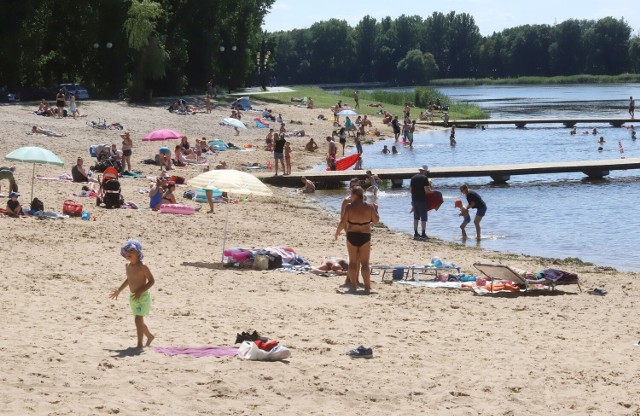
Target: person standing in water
<point>474,201</point>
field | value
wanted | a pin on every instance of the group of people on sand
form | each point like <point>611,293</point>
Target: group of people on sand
<point>184,153</point>
<point>59,111</point>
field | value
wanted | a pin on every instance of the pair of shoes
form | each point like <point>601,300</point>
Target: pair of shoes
<point>416,236</point>
<point>424,237</point>
<point>598,292</point>
<point>246,336</point>
<point>360,352</point>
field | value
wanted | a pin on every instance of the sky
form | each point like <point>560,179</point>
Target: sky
<point>490,15</point>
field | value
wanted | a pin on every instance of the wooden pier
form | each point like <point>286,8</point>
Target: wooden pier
<point>593,169</point>
<point>522,122</point>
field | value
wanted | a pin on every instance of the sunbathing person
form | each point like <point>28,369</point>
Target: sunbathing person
<point>46,132</point>
<point>335,265</point>
<point>156,191</point>
<point>179,159</point>
<point>168,197</point>
<point>13,205</point>
<point>311,146</point>
<point>44,109</point>
<point>79,173</point>
<point>163,159</point>
<point>377,105</point>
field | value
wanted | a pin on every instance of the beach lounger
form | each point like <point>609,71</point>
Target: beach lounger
<point>502,272</point>
<point>413,272</point>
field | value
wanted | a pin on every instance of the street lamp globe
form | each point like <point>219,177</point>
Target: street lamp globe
<point>221,48</point>
<point>233,48</point>
<point>96,45</point>
<point>109,45</point>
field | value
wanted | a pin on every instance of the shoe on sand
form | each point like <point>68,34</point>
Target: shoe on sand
<point>360,352</point>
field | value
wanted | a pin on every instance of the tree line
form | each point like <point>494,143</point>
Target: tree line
<point>164,46</point>
<point>410,50</point>
<point>177,46</point>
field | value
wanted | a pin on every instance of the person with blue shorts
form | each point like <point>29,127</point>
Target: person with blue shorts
<point>419,186</point>
<point>474,201</point>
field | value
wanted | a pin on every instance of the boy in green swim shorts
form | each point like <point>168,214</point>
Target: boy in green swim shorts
<point>139,279</point>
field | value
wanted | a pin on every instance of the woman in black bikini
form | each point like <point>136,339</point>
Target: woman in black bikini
<point>356,220</point>
<point>60,102</point>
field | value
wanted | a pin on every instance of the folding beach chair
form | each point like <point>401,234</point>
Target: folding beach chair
<point>502,272</point>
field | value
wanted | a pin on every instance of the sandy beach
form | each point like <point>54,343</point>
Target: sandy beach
<point>66,348</point>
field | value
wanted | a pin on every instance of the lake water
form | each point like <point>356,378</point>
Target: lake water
<point>559,215</point>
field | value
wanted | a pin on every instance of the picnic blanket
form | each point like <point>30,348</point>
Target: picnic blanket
<point>206,351</point>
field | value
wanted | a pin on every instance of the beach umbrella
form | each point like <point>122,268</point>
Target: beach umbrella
<point>234,122</point>
<point>162,134</point>
<point>347,113</point>
<point>34,155</point>
<point>232,182</point>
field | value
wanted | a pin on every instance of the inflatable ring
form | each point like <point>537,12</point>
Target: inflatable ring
<point>177,209</point>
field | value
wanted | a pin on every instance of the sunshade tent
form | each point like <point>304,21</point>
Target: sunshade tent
<point>34,155</point>
<point>162,134</point>
<point>234,122</point>
<point>233,182</point>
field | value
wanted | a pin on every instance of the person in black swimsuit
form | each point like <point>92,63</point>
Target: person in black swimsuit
<point>60,102</point>
<point>356,221</point>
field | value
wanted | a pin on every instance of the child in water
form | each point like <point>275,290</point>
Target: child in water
<point>466,218</point>
<point>139,279</point>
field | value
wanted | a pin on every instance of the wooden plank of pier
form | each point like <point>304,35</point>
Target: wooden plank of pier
<point>521,122</point>
<point>499,173</point>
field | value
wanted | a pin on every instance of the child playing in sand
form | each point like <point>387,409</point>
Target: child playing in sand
<point>466,218</point>
<point>139,279</point>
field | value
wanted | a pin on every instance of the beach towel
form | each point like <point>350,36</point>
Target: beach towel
<point>207,351</point>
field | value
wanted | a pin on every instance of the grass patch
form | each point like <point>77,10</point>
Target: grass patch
<point>393,101</point>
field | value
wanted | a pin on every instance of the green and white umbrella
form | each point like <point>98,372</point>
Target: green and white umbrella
<point>35,155</point>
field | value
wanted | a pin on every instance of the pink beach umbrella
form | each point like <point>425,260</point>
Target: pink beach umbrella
<point>163,134</point>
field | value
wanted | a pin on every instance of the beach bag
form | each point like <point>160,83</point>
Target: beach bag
<point>37,205</point>
<point>72,208</point>
<point>398,273</point>
<point>261,262</point>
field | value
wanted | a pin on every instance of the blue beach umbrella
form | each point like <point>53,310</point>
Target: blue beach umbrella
<point>34,155</point>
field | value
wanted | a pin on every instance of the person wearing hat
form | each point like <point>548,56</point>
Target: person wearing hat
<point>13,205</point>
<point>419,186</point>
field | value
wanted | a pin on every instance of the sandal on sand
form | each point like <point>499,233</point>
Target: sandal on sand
<point>598,292</point>
<point>360,352</point>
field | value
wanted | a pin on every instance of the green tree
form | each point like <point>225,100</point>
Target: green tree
<point>148,45</point>
<point>634,54</point>
<point>608,44</point>
<point>417,68</point>
<point>365,35</point>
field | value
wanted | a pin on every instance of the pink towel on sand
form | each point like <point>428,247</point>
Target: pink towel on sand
<point>208,351</point>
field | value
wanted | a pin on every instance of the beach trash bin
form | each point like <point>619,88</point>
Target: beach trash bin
<point>398,273</point>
